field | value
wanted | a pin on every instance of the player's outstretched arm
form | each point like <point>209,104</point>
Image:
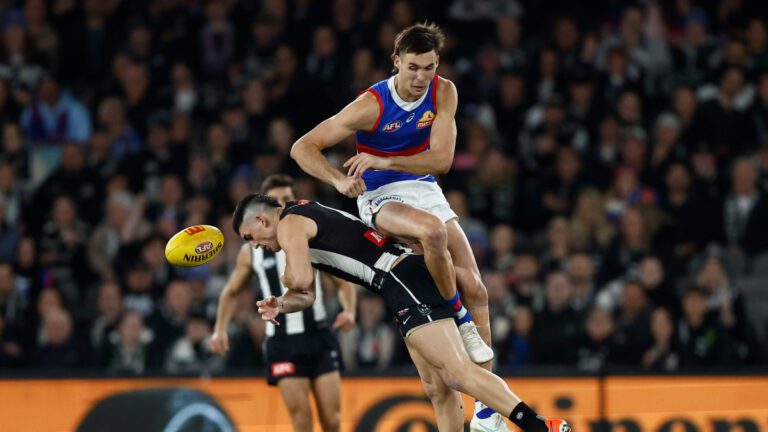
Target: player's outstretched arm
<point>293,234</point>
<point>228,299</point>
<point>438,159</point>
<point>361,114</point>
<point>345,320</point>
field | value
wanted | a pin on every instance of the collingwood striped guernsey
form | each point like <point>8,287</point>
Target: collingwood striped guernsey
<point>268,267</point>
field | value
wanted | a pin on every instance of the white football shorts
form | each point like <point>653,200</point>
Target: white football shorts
<point>423,195</point>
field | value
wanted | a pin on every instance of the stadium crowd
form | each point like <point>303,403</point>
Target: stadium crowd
<point>611,172</point>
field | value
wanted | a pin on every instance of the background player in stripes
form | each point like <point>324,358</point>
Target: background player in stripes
<point>301,352</point>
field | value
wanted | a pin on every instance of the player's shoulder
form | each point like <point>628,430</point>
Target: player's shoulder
<point>445,87</point>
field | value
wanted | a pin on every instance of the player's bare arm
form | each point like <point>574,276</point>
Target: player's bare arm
<point>293,235</point>
<point>360,114</point>
<point>345,320</point>
<point>238,280</point>
<point>438,159</point>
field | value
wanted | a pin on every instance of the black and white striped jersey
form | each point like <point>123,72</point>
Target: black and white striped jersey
<point>345,246</point>
<point>269,267</point>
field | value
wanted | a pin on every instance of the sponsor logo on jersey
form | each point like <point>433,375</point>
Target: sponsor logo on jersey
<point>392,126</point>
<point>203,247</point>
<point>425,120</point>
<point>303,202</point>
<point>199,258</point>
<point>375,237</point>
<point>194,230</point>
<point>283,368</point>
<point>410,117</point>
<point>424,309</point>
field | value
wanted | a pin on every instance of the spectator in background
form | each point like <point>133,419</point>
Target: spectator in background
<point>13,150</point>
<point>590,230</point>
<point>138,288</point>
<point>123,225</point>
<point>664,354</point>
<point>653,278</point>
<point>55,116</point>
<point>597,348</point>
<point>581,270</point>
<point>744,210</point>
<point>127,346</point>
<point>58,349</point>
<point>558,245</point>
<point>15,297</point>
<point>557,325</point>
<point>526,287</point>
<point>632,334</point>
<point>516,352</point>
<point>703,340</point>
<point>123,139</point>
<point>9,236</point>
<point>191,353</point>
<point>370,345</point>
<point>476,233</point>
<point>135,84</point>
<point>20,64</point>
<point>109,309</point>
<point>502,253</point>
<point>63,248</point>
<point>167,322</point>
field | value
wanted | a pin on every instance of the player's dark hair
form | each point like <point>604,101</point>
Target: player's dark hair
<point>276,181</point>
<point>419,39</point>
<point>253,201</point>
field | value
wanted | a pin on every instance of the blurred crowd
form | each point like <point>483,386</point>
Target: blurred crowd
<point>611,172</point>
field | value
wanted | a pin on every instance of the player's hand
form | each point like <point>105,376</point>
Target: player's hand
<point>362,162</point>
<point>269,308</point>
<point>220,343</point>
<point>345,321</point>
<point>351,187</point>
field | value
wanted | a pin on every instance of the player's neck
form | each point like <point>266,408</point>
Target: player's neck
<point>404,93</point>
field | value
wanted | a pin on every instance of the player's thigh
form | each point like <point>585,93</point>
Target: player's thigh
<point>295,394</point>
<point>405,222</point>
<point>327,390</point>
<point>439,345</point>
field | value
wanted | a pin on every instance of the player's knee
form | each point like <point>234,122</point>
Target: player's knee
<point>473,291</point>
<point>433,234</point>
<point>456,378</point>
<point>331,422</point>
<point>435,391</point>
<point>301,416</point>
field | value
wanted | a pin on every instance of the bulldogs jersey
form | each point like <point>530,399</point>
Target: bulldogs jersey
<point>402,129</point>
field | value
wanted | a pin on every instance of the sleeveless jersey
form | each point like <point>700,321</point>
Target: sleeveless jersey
<point>268,266</point>
<point>402,129</point>
<point>345,246</point>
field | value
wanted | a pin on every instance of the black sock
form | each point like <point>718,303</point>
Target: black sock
<point>527,419</point>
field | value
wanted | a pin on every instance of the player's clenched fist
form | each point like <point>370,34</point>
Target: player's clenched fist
<point>362,162</point>
<point>350,187</point>
<point>219,343</point>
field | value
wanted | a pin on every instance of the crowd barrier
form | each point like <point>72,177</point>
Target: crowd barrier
<point>592,404</point>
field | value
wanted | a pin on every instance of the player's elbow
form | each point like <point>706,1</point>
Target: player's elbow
<point>443,166</point>
<point>296,150</point>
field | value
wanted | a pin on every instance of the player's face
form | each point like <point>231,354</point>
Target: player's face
<point>281,194</point>
<point>260,231</point>
<point>415,71</point>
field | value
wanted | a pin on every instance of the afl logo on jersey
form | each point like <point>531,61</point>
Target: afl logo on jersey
<point>392,126</point>
<point>425,120</point>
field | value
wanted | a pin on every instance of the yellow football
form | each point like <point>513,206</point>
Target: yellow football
<point>194,246</point>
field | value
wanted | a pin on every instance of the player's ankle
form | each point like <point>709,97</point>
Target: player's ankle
<point>527,419</point>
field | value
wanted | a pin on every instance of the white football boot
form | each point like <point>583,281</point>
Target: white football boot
<point>487,420</point>
<point>478,351</point>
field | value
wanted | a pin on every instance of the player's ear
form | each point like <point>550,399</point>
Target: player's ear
<point>437,61</point>
<point>396,60</point>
